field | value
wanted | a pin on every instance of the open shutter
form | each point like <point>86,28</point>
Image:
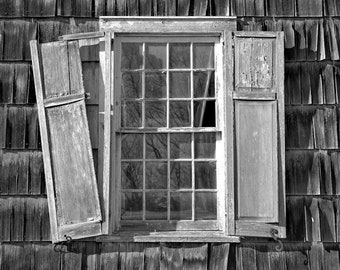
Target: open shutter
<point>68,163</point>
<point>258,117</point>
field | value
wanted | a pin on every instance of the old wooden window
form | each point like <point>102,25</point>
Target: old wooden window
<point>191,132</point>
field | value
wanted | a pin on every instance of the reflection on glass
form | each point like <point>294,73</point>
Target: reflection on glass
<point>131,85</point>
<point>132,206</point>
<point>203,55</point>
<point>155,55</point>
<point>132,55</point>
<point>179,84</point>
<point>180,145</point>
<point>180,114</point>
<point>156,146</point>
<point>131,114</point>
<point>205,205</point>
<point>156,206</point>
<point>204,84</point>
<point>180,206</point>
<point>179,55</point>
<point>155,114</point>
<point>155,85</point>
<point>132,175</point>
<point>205,175</point>
<point>205,145</point>
<point>204,113</point>
<point>132,146</point>
<point>180,174</point>
<point>156,175</point>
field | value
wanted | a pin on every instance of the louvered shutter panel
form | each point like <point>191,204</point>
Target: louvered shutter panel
<point>258,105</point>
<point>68,163</point>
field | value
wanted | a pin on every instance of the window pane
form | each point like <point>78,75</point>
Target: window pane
<point>132,146</point>
<point>155,85</point>
<point>203,55</point>
<point>180,206</point>
<point>156,205</point>
<point>180,145</point>
<point>156,146</point>
<point>205,205</point>
<point>180,114</point>
<point>179,84</point>
<point>179,55</point>
<point>132,175</point>
<point>155,114</point>
<point>131,114</point>
<point>131,85</point>
<point>156,175</point>
<point>180,175</point>
<point>155,55</point>
<point>204,84</point>
<point>205,175</point>
<point>205,145</point>
<point>204,113</point>
<point>132,206</point>
<point>132,55</point>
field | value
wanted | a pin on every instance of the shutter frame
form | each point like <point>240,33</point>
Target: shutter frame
<point>67,102</point>
<point>263,90</point>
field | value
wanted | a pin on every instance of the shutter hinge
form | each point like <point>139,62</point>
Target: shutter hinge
<point>274,233</point>
<point>65,246</point>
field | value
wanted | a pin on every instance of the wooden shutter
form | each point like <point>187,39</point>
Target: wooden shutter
<point>257,103</point>
<point>68,163</point>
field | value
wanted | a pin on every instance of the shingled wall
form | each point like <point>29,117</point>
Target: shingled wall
<point>312,97</point>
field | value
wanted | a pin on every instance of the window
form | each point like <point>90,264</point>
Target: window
<point>191,139</point>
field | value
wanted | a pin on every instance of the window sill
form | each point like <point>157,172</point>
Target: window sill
<point>193,236</point>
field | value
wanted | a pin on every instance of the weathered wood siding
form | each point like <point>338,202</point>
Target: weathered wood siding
<point>312,97</point>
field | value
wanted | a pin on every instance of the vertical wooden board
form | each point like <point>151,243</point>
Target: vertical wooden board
<point>17,256</point>
<point>183,7</point>
<point>5,218</point>
<point>131,256</point>
<point>74,68</point>
<point>93,81</point>
<point>300,40</point>
<point>22,172</point>
<point>316,256</point>
<point>18,219</point>
<point>171,257</point>
<point>295,218</point>
<point>110,7</point>
<point>132,7</point>
<point>292,83</point>
<point>329,89</point>
<point>32,128</point>
<point>55,61</point>
<point>6,83</point>
<point>45,257</point>
<point>222,256</point>
<point>109,256</point>
<point>256,136</point>
<point>16,127</point>
<point>321,42</point>
<point>2,26</point>
<point>72,156</point>
<point>72,260</point>
<point>93,122</point>
<point>200,7</point>
<point>240,7</point>
<point>195,256</point>
<point>314,173</point>
<point>335,158</point>
<point>276,258</point>
<point>262,258</point>
<point>40,8</point>
<point>121,8</point>
<point>306,90</point>
<point>152,256</point>
<point>297,256</point>
<point>36,173</point>
<point>314,71</point>
<point>99,8</point>
<point>319,129</point>
<point>3,125</point>
<point>91,257</point>
<point>337,218</point>
<point>5,169</point>
<point>45,222</point>
<point>222,7</point>
<point>288,8</point>
<point>337,83</point>
<point>331,131</point>
<point>32,217</point>
<point>331,257</point>
<point>312,37</point>
<point>327,220</point>
<point>305,127</point>
<point>89,51</point>
<point>249,7</point>
<point>21,83</point>
<point>312,219</point>
<point>247,256</point>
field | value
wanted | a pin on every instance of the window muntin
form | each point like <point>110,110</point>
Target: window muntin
<point>170,131</point>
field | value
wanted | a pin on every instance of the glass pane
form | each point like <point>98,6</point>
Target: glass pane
<point>132,146</point>
<point>205,174</point>
<point>132,175</point>
<point>180,175</point>
<point>132,55</point>
<point>155,55</point>
<point>180,114</point>
<point>180,206</point>
<point>156,175</point>
<point>156,206</point>
<point>155,114</point>
<point>205,145</point>
<point>131,114</point>
<point>204,113</point>
<point>203,55</point>
<point>205,205</point>
<point>180,145</point>
<point>131,85</point>
<point>132,206</point>
<point>156,146</point>
<point>179,84</point>
<point>155,85</point>
<point>179,55</point>
<point>204,84</point>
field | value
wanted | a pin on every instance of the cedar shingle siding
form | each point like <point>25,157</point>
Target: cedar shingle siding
<point>312,98</point>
